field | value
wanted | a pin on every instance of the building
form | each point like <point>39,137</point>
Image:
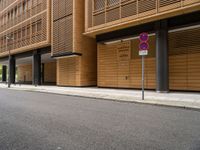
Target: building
<point>174,27</point>
<point>95,42</point>
<point>45,42</point>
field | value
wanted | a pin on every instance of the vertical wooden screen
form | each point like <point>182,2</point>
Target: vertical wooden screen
<point>62,26</point>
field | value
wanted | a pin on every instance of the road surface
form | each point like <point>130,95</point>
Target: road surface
<point>39,121</point>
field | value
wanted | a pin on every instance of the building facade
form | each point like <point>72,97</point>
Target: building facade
<point>174,42</point>
<point>95,43</point>
<point>45,43</point>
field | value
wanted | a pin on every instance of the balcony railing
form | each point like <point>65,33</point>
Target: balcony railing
<point>105,11</point>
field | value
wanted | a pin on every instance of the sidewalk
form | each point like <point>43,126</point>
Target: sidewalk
<point>176,99</point>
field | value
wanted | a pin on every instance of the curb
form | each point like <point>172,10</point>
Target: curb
<point>136,101</point>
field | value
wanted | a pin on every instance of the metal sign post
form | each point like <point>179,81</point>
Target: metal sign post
<point>143,51</point>
<point>143,77</point>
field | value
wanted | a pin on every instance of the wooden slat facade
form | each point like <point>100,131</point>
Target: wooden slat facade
<point>184,60</point>
<point>27,23</point>
<point>119,65</point>
<point>62,26</point>
<point>104,15</point>
<point>68,37</point>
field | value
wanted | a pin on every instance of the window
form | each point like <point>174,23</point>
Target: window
<point>15,11</point>
<point>23,32</point>
<point>34,28</point>
<point>112,2</point>
<point>19,34</point>
<point>29,4</point>
<point>24,6</point>
<point>99,4</point>
<point>28,30</point>
<point>39,25</point>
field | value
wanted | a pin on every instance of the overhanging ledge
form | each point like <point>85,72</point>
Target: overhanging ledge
<point>66,54</point>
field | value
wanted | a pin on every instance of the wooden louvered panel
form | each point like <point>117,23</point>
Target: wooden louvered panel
<point>61,10</point>
<point>112,2</point>
<point>129,9</point>
<point>136,73</point>
<point>189,2</point>
<point>89,21</point>
<point>165,5</point>
<point>61,42</point>
<point>117,69</point>
<point>22,26</point>
<point>55,37</point>
<point>150,65</point>
<point>146,7</point>
<point>194,71</point>
<point>112,15</point>
<point>55,9</point>
<point>178,72</point>
<point>124,54</point>
<point>184,62</point>
<point>107,66</point>
<point>68,71</point>
<point>99,19</point>
<point>99,4</point>
<point>68,7</point>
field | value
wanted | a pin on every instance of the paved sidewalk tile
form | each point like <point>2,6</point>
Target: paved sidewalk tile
<point>178,99</point>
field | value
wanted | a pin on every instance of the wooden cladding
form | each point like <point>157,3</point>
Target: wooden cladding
<point>25,23</point>
<point>62,26</point>
<point>68,71</point>
<point>20,11</point>
<point>5,3</point>
<point>184,62</point>
<point>100,12</point>
<point>62,37</point>
<point>62,8</point>
<point>28,33</point>
<point>120,66</point>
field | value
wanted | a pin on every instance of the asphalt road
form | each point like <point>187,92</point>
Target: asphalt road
<point>38,121</point>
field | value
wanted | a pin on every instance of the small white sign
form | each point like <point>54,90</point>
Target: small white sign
<point>143,52</point>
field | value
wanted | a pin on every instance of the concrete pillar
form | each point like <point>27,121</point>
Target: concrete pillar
<point>4,73</point>
<point>12,69</point>
<point>36,67</point>
<point>162,69</point>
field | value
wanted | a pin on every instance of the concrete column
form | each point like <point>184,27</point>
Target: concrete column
<point>36,67</point>
<point>4,73</point>
<point>162,69</point>
<point>42,76</point>
<point>12,69</point>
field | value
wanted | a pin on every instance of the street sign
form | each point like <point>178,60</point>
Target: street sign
<point>144,37</point>
<point>144,46</point>
<point>143,51</point>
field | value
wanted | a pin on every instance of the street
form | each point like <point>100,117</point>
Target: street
<point>40,121</point>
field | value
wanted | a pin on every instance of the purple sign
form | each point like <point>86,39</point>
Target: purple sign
<point>144,37</point>
<point>144,46</point>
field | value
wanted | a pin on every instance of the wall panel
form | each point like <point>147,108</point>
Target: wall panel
<point>184,62</point>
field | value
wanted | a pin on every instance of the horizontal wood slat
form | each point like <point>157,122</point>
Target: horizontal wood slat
<point>184,62</point>
<point>119,65</point>
<point>103,13</point>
